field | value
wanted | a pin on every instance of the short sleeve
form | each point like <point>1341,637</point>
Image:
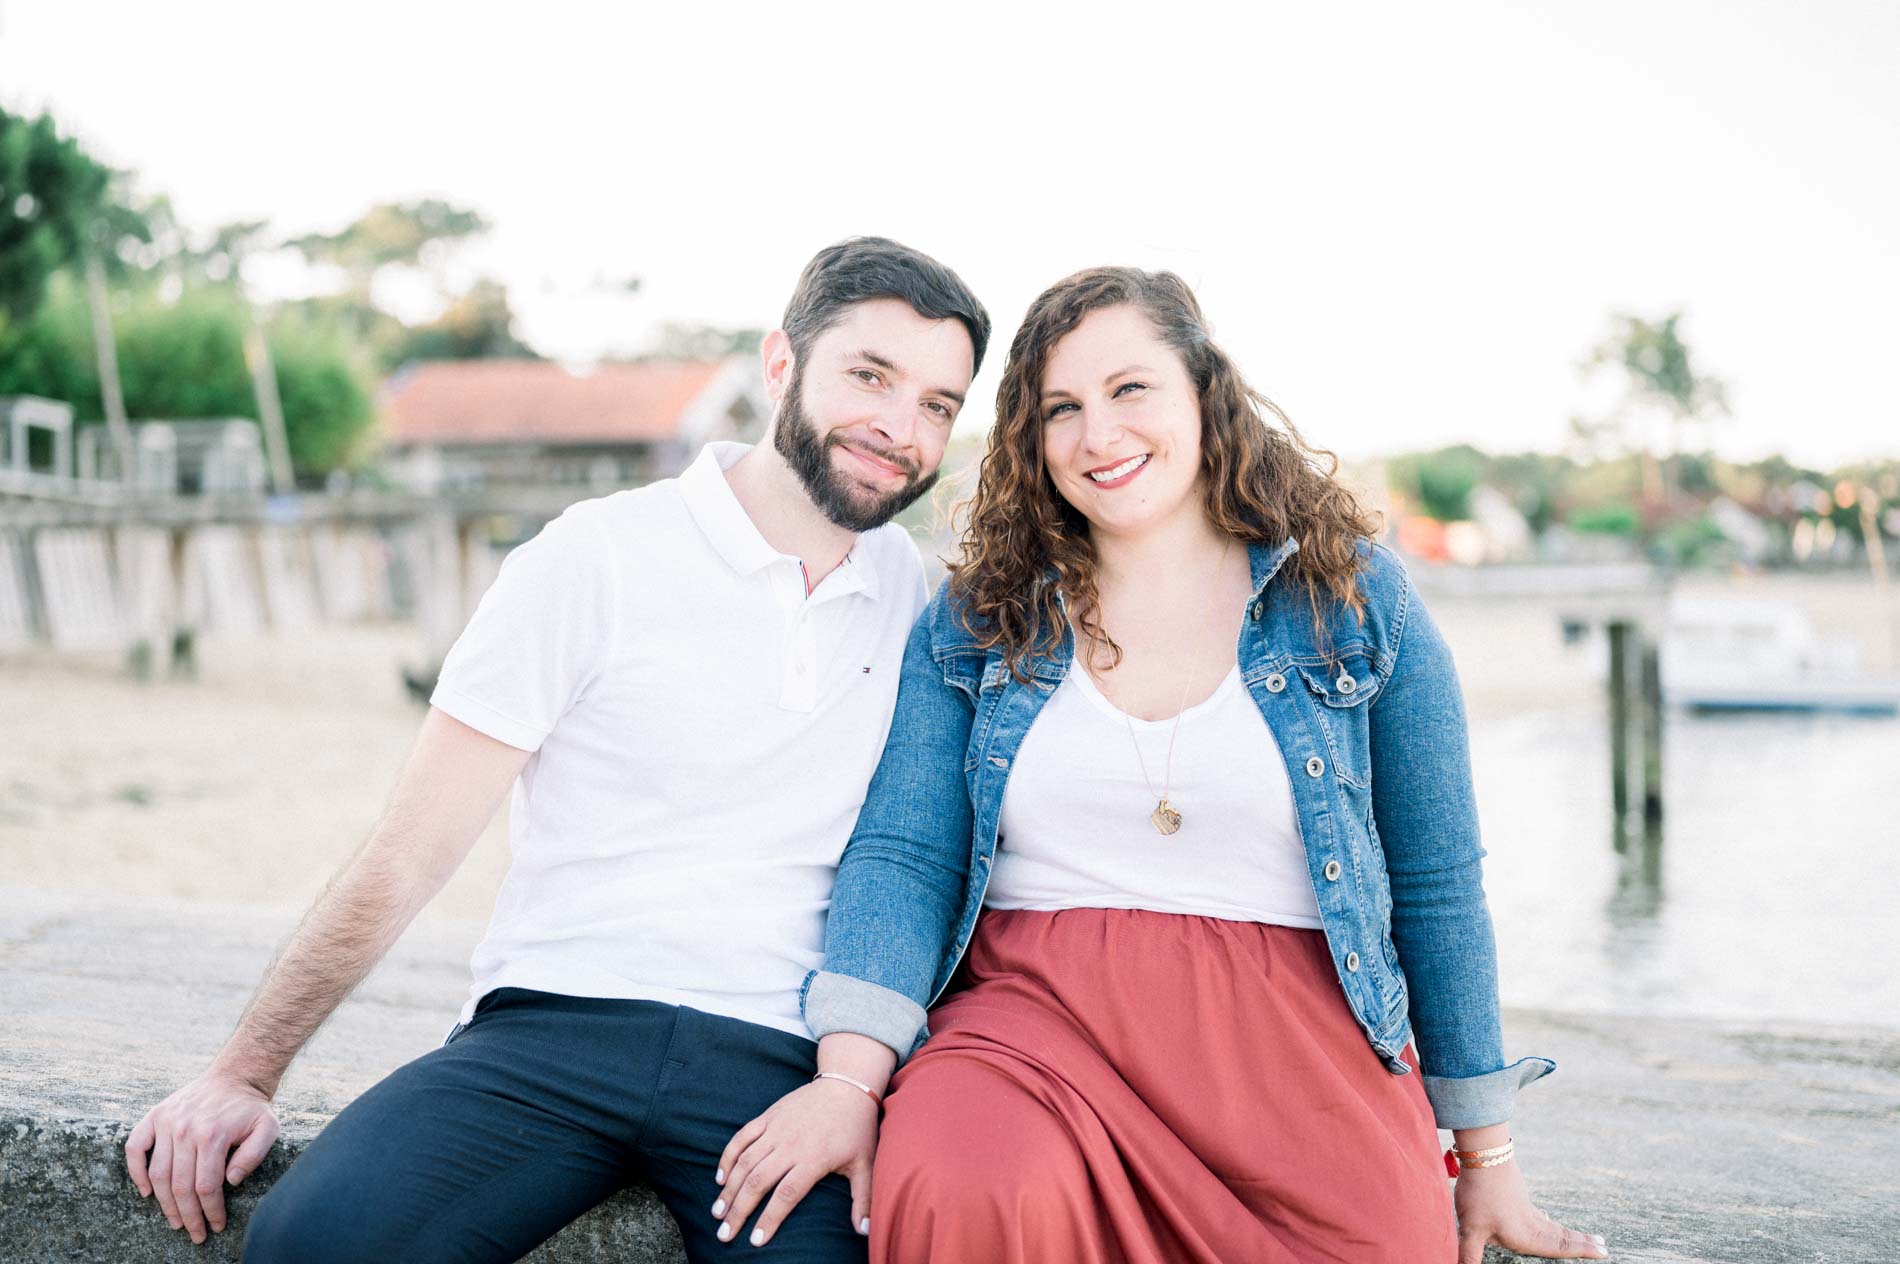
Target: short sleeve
<point>536,639</point>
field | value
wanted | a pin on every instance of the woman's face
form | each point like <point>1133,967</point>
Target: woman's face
<point>1121,424</point>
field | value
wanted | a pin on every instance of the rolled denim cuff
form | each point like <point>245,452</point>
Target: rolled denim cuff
<point>1478,1101</point>
<point>839,1002</point>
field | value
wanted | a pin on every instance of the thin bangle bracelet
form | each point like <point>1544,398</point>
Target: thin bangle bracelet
<point>862,1087</point>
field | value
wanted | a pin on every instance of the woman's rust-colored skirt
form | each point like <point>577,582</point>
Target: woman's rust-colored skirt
<point>1121,1085</point>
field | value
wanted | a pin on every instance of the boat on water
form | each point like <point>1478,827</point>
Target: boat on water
<point>1740,655</point>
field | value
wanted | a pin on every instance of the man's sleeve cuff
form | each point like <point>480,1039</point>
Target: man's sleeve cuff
<point>1477,1101</point>
<point>839,1002</point>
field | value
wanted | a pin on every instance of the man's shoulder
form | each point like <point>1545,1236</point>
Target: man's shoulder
<point>891,553</point>
<point>618,525</point>
<point>893,550</point>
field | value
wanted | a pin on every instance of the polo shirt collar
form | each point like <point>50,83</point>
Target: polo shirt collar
<point>731,532</point>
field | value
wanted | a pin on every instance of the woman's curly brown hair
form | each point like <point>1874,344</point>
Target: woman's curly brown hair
<point>1264,483</point>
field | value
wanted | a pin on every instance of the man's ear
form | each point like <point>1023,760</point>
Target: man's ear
<point>776,354</point>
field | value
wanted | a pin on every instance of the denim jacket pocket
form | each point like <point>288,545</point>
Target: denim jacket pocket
<point>1347,681</point>
<point>1344,689</point>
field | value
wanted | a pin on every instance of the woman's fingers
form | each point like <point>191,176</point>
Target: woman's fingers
<point>860,1178</point>
<point>1558,1243</point>
<point>792,1188</point>
<point>735,1147</point>
<point>750,1190</point>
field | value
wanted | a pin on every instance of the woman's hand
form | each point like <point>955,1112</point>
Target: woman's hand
<point>824,1127</point>
<point>1494,1206</point>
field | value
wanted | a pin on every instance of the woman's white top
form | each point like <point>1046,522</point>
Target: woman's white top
<point>1075,828</point>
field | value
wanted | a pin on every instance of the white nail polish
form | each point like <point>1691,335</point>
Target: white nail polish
<point>725,1233</point>
<point>758,1237</point>
<point>719,1208</point>
<point>864,1226</point>
<point>719,1176</point>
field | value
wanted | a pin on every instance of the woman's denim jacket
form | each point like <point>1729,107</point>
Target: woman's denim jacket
<point>1369,719</point>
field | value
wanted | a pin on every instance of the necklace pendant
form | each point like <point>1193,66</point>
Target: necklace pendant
<point>1164,818</point>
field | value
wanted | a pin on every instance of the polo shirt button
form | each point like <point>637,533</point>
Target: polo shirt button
<point>1258,606</point>
<point>1275,683</point>
<point>1332,871</point>
<point>1345,683</point>
<point>1352,963</point>
<point>1315,766</point>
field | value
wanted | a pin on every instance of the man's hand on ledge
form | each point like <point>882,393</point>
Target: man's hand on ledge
<point>182,1149</point>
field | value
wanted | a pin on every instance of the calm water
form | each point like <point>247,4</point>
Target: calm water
<point>1771,893</point>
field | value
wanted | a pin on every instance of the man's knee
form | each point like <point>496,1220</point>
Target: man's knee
<point>298,1222</point>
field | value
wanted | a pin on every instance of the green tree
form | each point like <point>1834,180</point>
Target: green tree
<point>1658,377</point>
<point>390,233</point>
<point>1441,481</point>
<point>185,360</point>
<point>56,201</point>
<point>478,325</point>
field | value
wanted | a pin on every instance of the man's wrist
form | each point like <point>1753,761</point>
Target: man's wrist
<point>236,1063</point>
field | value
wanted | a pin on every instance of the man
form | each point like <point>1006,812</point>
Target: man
<point>688,686</point>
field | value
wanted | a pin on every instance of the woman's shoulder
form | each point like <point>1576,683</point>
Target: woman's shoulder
<point>1383,579</point>
<point>947,620</point>
<point>1376,622</point>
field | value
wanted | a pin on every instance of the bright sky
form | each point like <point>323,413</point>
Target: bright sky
<point>1408,222</point>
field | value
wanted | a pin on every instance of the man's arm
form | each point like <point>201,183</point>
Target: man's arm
<point>181,1151</point>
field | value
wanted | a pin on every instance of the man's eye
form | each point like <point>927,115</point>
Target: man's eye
<point>938,408</point>
<point>867,376</point>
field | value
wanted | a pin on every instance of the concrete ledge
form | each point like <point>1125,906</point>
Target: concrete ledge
<point>1678,1141</point>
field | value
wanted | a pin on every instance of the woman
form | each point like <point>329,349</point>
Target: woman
<point>1189,743</point>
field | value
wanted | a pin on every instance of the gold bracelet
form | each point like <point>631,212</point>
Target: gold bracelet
<point>1495,1156</point>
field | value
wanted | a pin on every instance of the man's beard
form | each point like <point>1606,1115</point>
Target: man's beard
<point>809,455</point>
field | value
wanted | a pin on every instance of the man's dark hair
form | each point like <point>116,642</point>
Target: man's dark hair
<point>861,268</point>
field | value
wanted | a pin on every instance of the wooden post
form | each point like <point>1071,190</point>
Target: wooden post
<point>1652,737</point>
<point>270,409</point>
<point>107,352</point>
<point>1620,632</point>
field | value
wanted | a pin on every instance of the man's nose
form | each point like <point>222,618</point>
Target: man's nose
<point>896,422</point>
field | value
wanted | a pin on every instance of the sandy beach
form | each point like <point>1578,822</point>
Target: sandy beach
<point>244,788</point>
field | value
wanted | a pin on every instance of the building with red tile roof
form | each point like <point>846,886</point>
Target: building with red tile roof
<point>476,423</point>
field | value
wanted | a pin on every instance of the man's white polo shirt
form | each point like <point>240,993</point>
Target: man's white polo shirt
<point>703,733</point>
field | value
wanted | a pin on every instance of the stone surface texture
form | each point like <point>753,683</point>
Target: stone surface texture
<point>1678,1141</point>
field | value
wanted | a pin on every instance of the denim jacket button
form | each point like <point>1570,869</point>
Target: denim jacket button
<point>1345,683</point>
<point>1275,683</point>
<point>1258,606</point>
<point>1352,963</point>
<point>1315,766</point>
<point>1332,871</point>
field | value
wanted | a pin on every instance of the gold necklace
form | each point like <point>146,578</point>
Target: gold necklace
<point>1166,818</point>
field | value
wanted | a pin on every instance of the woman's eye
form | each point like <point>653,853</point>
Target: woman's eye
<point>1127,386</point>
<point>1056,411</point>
